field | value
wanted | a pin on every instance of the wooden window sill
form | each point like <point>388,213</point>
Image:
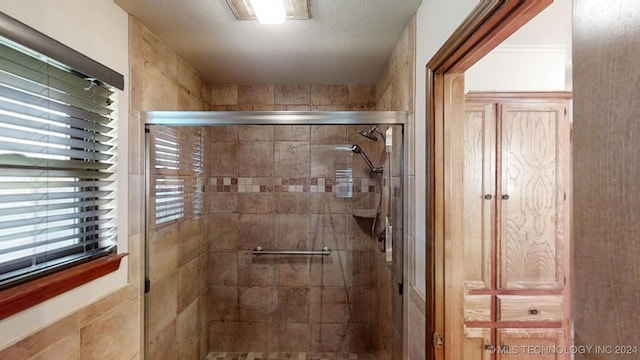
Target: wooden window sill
<point>24,296</point>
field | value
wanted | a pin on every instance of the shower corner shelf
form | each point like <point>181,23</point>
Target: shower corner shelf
<point>365,213</point>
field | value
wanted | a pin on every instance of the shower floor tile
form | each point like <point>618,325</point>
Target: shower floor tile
<point>288,356</point>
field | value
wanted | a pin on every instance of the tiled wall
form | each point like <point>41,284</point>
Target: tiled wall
<point>395,91</point>
<point>160,80</point>
<point>276,187</point>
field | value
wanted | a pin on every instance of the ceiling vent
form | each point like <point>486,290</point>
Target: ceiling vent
<point>294,9</point>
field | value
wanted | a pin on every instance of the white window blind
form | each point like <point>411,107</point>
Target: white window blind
<point>57,148</point>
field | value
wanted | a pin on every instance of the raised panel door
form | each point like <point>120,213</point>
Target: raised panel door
<point>532,195</point>
<point>531,344</point>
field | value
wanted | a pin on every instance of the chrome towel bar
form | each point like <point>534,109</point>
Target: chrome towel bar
<point>260,251</point>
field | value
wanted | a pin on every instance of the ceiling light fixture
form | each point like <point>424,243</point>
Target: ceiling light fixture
<point>269,11</point>
<point>249,9</point>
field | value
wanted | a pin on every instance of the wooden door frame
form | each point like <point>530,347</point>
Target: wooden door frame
<point>488,25</point>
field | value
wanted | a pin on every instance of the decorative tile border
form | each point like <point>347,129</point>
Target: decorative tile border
<point>291,185</point>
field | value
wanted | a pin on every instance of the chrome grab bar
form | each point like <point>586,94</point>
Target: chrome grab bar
<point>260,251</point>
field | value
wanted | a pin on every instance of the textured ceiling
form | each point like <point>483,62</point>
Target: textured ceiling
<point>345,42</point>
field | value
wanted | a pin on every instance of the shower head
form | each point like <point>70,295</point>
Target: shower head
<point>369,133</point>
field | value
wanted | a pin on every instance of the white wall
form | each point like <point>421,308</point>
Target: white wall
<point>535,58</point>
<point>436,21</point>
<point>98,29</point>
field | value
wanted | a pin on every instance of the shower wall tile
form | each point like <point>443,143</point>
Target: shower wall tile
<point>294,272</point>
<point>224,94</point>
<point>186,100</point>
<point>292,159</point>
<point>187,326</point>
<point>189,79</point>
<point>292,232</point>
<point>256,229</point>
<point>157,53</point>
<point>255,159</point>
<point>293,337</point>
<point>329,203</point>
<point>163,249</point>
<point>361,95</point>
<point>223,268</point>
<point>224,108</point>
<point>329,94</point>
<point>255,203</point>
<point>163,303</point>
<point>360,337</point>
<point>332,270</point>
<point>223,304</point>
<point>255,270</point>
<point>191,240</point>
<point>292,304</point>
<point>328,133</point>
<point>256,108</point>
<point>222,231</point>
<point>293,132</point>
<point>328,224</point>
<point>293,107</point>
<point>256,94</point>
<point>253,304</point>
<point>164,346</point>
<point>189,287</point>
<point>223,335</point>
<point>120,326</point>
<point>159,93</point>
<point>224,158</point>
<point>291,203</point>
<point>329,108</point>
<point>221,203</point>
<point>255,132</point>
<point>222,133</point>
<point>334,305</point>
<point>293,94</point>
<point>329,337</point>
<point>252,337</point>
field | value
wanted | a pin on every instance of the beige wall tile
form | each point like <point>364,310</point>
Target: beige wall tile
<point>158,54</point>
<point>163,250</point>
<point>189,283</point>
<point>224,203</point>
<point>165,345</point>
<point>320,203</point>
<point>224,108</point>
<point>329,337</point>
<point>256,94</point>
<point>222,231</point>
<point>343,107</point>
<point>291,203</point>
<point>292,304</point>
<point>328,133</point>
<point>136,201</point>
<point>223,133</point>
<point>296,107</point>
<point>224,159</point>
<point>191,240</point>
<point>115,335</point>
<point>292,232</point>
<point>255,132</point>
<point>255,270</point>
<point>36,343</point>
<point>292,94</point>
<point>294,272</point>
<point>163,304</point>
<point>332,270</point>
<point>159,92</point>
<point>294,337</point>
<point>223,268</point>
<point>329,95</point>
<point>187,327</point>
<point>255,203</point>
<point>189,79</point>
<point>187,101</point>
<point>364,95</point>
<point>252,336</point>
<point>223,336</point>
<point>223,303</point>
<point>67,348</point>
<point>90,313</point>
<point>360,337</point>
<point>256,229</point>
<point>255,159</point>
<point>292,159</point>
<point>292,132</point>
<point>224,95</point>
<point>253,304</point>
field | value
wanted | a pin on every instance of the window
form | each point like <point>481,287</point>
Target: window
<point>57,156</point>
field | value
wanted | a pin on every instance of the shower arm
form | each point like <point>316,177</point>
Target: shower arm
<point>375,170</point>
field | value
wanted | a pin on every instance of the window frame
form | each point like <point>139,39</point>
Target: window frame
<point>32,292</point>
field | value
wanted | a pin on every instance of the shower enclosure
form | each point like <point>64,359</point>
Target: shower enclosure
<point>274,235</point>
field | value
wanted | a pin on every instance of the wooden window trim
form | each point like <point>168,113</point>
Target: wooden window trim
<point>488,25</point>
<point>24,296</point>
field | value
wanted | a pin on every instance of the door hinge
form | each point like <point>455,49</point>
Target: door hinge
<point>438,340</point>
<point>147,285</point>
